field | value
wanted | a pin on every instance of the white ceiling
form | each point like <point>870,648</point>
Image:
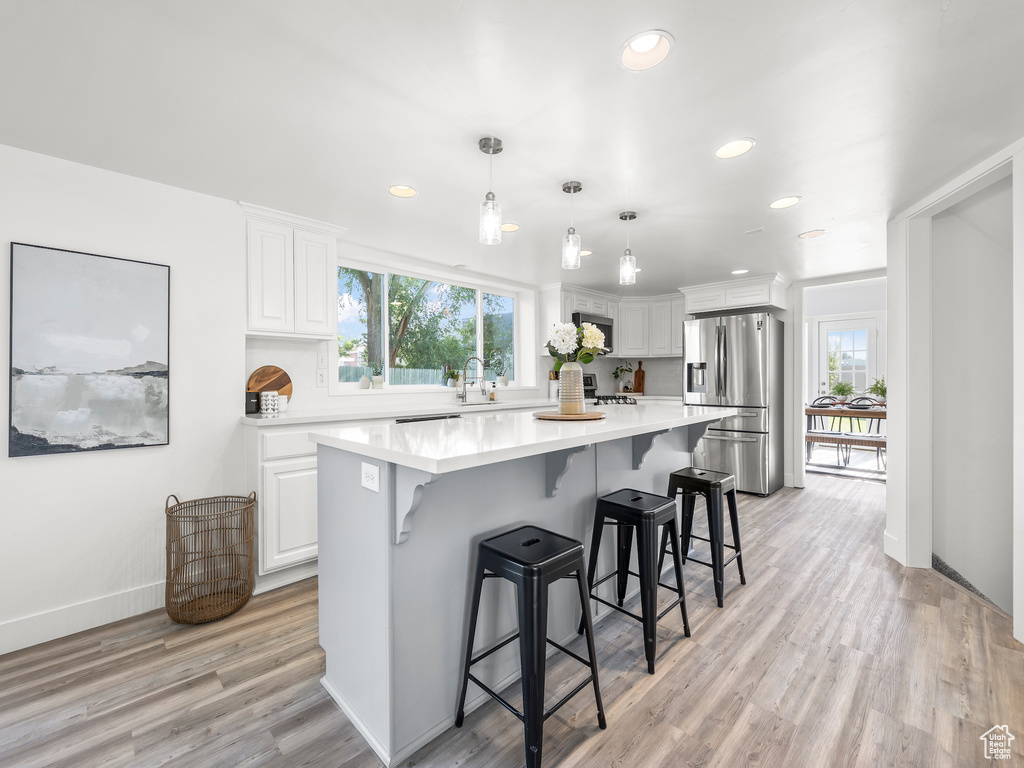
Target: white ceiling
<point>316,108</point>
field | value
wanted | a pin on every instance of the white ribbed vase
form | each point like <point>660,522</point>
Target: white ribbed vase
<point>570,389</point>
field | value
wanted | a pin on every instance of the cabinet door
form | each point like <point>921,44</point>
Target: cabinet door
<point>567,308</point>
<point>748,295</point>
<point>316,285</point>
<point>271,278</point>
<point>635,337</point>
<point>287,527</point>
<point>705,299</point>
<point>661,327</point>
<point>678,318</point>
<point>599,307</point>
<point>581,302</point>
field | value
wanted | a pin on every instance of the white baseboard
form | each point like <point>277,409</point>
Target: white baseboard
<point>894,548</point>
<point>67,620</point>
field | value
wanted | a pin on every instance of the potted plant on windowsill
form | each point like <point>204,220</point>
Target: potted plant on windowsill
<point>619,374</point>
<point>499,364</point>
<point>878,389</point>
<point>451,377</point>
<point>378,374</point>
<point>841,390</point>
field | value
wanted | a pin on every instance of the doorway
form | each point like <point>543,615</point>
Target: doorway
<point>845,342</point>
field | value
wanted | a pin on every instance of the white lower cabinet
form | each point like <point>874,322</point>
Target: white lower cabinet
<point>288,513</point>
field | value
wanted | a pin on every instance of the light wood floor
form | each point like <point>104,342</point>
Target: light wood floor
<point>831,655</point>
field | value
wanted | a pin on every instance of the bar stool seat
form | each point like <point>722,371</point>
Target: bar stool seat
<point>712,485</point>
<point>636,511</point>
<point>531,558</point>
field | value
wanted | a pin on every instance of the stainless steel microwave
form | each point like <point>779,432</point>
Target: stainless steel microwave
<point>605,325</point>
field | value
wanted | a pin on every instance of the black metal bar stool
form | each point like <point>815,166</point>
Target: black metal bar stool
<point>712,486</point>
<point>641,512</point>
<point>532,558</point>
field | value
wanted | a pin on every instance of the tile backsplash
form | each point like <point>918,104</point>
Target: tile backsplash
<point>664,375</point>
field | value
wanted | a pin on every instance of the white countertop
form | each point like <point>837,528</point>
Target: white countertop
<point>477,439</point>
<point>476,405</point>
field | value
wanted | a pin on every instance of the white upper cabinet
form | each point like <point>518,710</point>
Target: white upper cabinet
<point>316,285</point>
<point>292,268</point>
<point>661,327</point>
<point>677,319</point>
<point>271,277</point>
<point>633,332</point>
<point>768,291</point>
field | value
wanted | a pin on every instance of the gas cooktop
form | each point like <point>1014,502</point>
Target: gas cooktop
<point>615,400</point>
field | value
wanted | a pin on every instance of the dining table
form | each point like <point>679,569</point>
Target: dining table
<point>843,411</point>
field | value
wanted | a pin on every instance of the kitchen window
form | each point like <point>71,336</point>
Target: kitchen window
<point>414,327</point>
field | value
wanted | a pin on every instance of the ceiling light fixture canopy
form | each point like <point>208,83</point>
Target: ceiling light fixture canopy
<point>571,241</point>
<point>734,148</point>
<point>627,262</point>
<point>490,208</point>
<point>646,50</point>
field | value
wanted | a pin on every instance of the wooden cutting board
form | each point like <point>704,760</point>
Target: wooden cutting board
<point>556,416</point>
<point>270,378</point>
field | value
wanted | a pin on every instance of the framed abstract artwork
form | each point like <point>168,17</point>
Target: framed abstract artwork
<point>89,352</point>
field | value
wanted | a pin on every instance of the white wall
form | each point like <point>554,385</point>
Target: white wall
<point>83,535</point>
<point>972,369</point>
<point>842,301</point>
<point>845,298</point>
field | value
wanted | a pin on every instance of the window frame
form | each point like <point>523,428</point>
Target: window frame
<point>441,275</point>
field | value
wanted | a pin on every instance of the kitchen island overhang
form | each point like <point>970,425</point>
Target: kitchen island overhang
<point>395,565</point>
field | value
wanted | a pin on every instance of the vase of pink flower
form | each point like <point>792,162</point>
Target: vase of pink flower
<point>572,348</point>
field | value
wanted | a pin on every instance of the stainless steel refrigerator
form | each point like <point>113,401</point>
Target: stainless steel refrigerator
<point>736,360</point>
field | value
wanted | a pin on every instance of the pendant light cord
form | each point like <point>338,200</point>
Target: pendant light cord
<point>490,172</point>
<point>571,196</point>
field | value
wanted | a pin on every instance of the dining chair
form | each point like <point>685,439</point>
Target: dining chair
<point>818,423</point>
<point>873,425</point>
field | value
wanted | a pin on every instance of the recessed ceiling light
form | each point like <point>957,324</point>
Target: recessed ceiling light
<point>646,50</point>
<point>509,227</point>
<point>734,148</point>
<point>585,253</point>
<point>400,190</point>
<point>461,266</point>
<point>811,233</point>
<point>786,202</point>
<point>740,271</point>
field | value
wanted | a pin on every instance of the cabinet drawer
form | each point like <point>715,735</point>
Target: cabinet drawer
<point>285,444</point>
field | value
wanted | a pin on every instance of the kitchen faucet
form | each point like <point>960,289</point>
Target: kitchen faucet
<point>479,379</point>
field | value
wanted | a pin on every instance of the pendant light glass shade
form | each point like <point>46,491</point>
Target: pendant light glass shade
<point>571,242</point>
<point>627,268</point>
<point>490,220</point>
<point>571,250</point>
<point>490,209</point>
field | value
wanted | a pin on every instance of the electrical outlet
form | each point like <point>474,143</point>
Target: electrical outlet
<point>321,356</point>
<point>371,477</point>
<point>321,377</point>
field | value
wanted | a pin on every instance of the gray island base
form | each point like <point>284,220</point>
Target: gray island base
<point>395,565</point>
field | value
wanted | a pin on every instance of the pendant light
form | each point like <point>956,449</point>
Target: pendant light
<point>627,262</point>
<point>490,209</point>
<point>571,241</point>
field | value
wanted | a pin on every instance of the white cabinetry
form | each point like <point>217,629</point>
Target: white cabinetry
<point>633,332</point>
<point>650,327</point>
<point>281,465</point>
<point>677,320</point>
<point>292,262</point>
<point>661,327</point>
<point>765,291</point>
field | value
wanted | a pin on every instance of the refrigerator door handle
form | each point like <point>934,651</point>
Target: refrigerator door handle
<point>725,361</point>
<point>709,436</point>
<point>718,361</point>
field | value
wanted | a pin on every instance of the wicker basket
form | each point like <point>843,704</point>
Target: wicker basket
<point>210,560</point>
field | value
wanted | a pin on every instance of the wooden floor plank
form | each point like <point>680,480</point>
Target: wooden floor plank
<point>832,654</point>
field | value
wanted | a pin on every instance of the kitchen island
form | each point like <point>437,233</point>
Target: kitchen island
<point>401,509</point>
